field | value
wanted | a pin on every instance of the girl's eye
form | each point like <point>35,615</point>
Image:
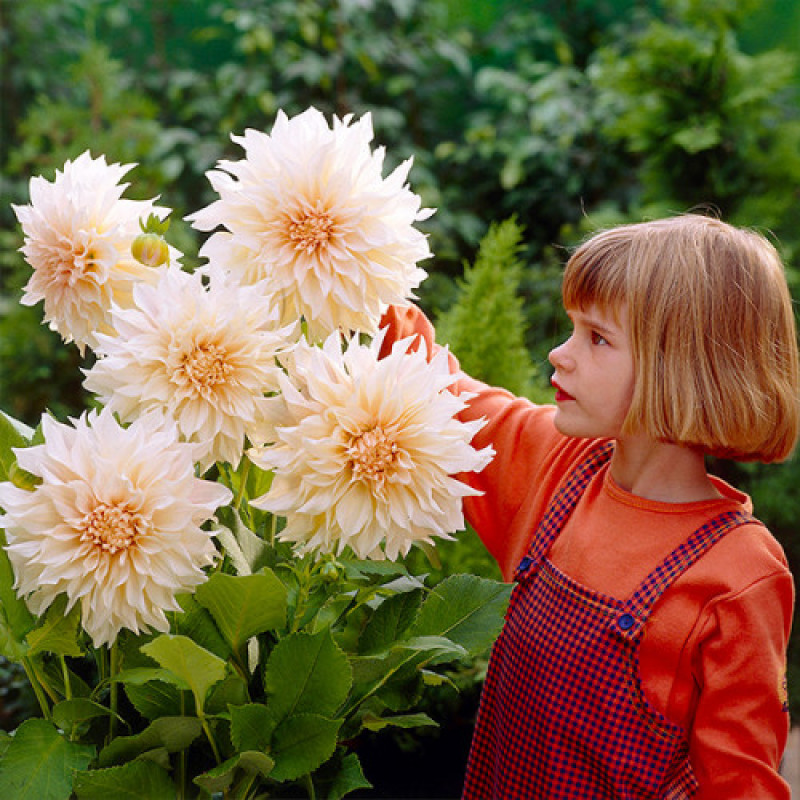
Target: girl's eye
<point>598,339</point>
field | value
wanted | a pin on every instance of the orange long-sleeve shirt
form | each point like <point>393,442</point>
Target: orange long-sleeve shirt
<point>712,658</point>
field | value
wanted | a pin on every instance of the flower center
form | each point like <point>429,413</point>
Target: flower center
<point>205,366</point>
<point>311,232</point>
<point>111,528</point>
<point>370,454</point>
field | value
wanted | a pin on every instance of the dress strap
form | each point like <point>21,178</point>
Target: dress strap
<point>633,615</point>
<point>561,506</point>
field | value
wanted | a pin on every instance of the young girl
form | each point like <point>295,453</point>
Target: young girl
<point>643,654</point>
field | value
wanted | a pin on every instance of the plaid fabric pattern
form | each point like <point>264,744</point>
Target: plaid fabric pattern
<point>562,714</point>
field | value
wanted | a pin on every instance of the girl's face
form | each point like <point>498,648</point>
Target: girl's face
<point>593,375</point>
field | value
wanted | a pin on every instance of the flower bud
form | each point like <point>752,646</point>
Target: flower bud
<point>150,249</point>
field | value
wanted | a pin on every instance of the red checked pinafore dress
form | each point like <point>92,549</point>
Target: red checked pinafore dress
<point>562,713</point>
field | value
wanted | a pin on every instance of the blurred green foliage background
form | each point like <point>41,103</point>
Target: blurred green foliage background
<point>531,124</point>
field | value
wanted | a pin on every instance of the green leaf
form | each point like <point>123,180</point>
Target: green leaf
<point>13,433</point>
<point>231,691</point>
<point>155,699</point>
<point>15,618</point>
<point>173,734</point>
<point>136,780</point>
<point>39,763</point>
<point>77,710</point>
<point>390,621</point>
<point>307,672</point>
<point>58,633</point>
<point>340,776</point>
<point>301,744</point>
<point>251,727</point>
<point>374,723</point>
<point>197,623</point>
<point>244,605</point>
<point>191,665</point>
<point>466,609</point>
<point>220,778</point>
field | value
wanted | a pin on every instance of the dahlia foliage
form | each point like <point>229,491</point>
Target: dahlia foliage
<point>203,576</point>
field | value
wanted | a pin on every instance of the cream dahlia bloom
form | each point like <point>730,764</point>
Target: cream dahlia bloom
<point>114,523</point>
<point>309,210</point>
<point>205,355</point>
<point>365,450</point>
<point>78,233</point>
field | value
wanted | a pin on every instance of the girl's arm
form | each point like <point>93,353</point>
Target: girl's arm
<point>742,720</point>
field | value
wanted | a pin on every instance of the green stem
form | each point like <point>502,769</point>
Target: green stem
<point>182,757</point>
<point>114,659</point>
<point>37,688</point>
<point>210,738</point>
<point>273,530</point>
<point>237,502</point>
<point>67,682</point>
<point>310,787</point>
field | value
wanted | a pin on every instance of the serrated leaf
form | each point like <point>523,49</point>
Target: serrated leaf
<point>192,665</point>
<point>251,727</point>
<point>217,780</point>
<point>231,691</point>
<point>466,609</point>
<point>197,623</point>
<point>244,605</point>
<point>373,722</point>
<point>307,672</point>
<point>390,621</point>
<point>76,710</point>
<point>155,699</point>
<point>173,734</point>
<point>135,780</point>
<point>57,633</point>
<point>39,763</point>
<point>302,743</point>
<point>340,778</point>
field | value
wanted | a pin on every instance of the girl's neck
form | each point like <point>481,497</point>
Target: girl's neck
<point>664,472</point>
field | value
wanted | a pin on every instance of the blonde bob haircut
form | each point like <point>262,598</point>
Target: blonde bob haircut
<point>712,332</point>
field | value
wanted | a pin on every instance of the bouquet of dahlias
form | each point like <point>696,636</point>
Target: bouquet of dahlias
<point>202,575</point>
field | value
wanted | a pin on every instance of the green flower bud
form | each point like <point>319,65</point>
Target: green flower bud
<point>150,249</point>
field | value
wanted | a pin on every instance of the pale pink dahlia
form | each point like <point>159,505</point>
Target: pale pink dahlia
<point>78,234</point>
<point>365,450</point>
<point>202,353</point>
<point>309,210</point>
<point>114,523</point>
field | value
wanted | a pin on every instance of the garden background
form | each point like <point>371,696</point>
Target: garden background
<point>531,124</point>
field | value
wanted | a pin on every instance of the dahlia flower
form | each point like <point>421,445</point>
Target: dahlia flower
<point>365,450</point>
<point>78,233</point>
<point>202,354</point>
<point>114,523</point>
<point>308,209</point>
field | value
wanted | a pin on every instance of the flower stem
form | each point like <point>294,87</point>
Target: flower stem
<point>242,484</point>
<point>310,787</point>
<point>113,690</point>
<point>210,738</point>
<point>37,688</point>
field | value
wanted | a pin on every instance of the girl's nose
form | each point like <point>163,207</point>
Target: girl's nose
<point>559,356</point>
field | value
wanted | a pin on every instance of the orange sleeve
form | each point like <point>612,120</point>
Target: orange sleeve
<point>742,722</point>
<point>530,455</point>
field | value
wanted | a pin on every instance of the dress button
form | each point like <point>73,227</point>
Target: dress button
<point>626,622</point>
<point>525,563</point>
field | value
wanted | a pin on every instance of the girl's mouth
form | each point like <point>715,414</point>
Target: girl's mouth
<point>561,395</point>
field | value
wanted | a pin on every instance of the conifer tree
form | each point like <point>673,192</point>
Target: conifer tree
<point>485,327</point>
